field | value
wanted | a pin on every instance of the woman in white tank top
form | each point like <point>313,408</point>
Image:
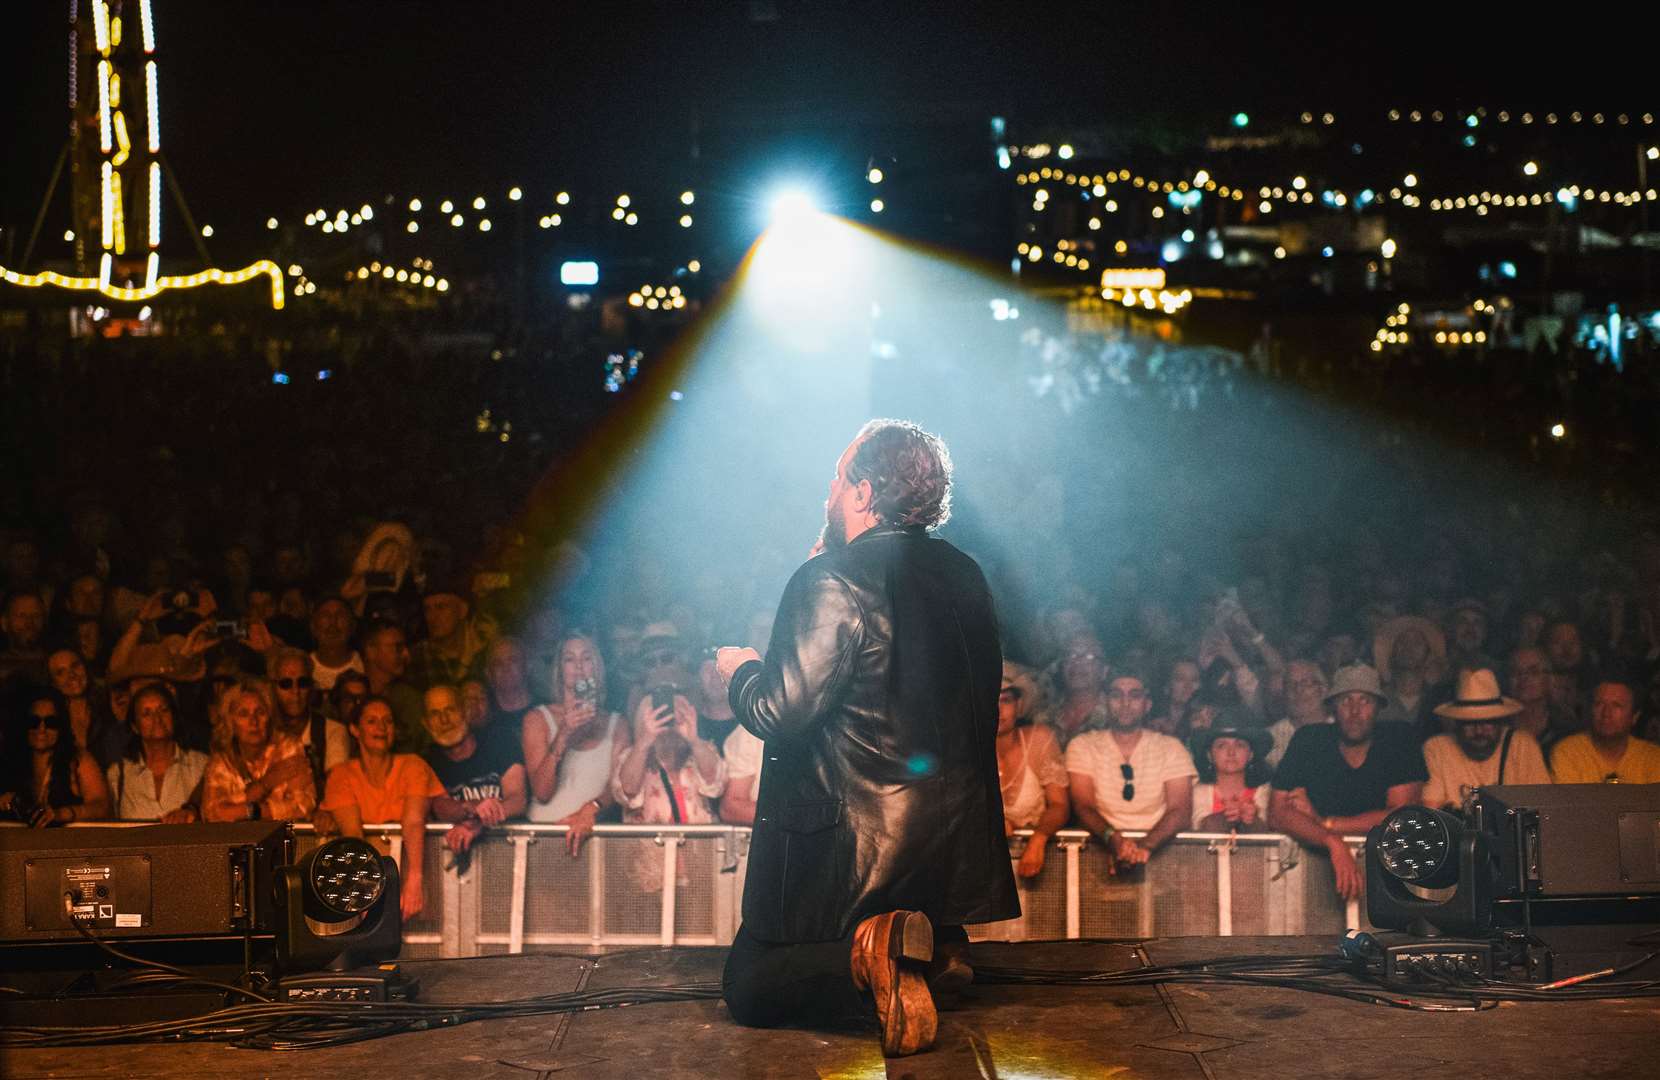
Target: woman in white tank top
<point>569,743</point>
<point>1030,768</point>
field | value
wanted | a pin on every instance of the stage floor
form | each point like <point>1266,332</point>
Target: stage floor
<point>1215,1031</point>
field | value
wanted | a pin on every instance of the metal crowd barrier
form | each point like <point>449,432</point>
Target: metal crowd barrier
<point>634,885</point>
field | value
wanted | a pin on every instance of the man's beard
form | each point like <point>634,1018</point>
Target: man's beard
<point>672,750</point>
<point>1477,750</point>
<point>834,534</point>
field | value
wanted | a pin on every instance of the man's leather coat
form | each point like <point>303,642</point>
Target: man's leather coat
<point>877,702</point>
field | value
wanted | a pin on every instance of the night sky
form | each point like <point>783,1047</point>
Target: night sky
<point>268,108</point>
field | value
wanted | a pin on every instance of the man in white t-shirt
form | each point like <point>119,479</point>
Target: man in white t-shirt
<point>1129,777</point>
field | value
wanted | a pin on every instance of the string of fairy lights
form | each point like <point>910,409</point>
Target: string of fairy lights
<point>120,59</point>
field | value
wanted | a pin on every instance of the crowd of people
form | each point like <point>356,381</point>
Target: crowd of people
<point>1308,699</point>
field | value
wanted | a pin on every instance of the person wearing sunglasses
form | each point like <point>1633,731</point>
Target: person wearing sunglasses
<point>45,779</point>
<point>1130,777</point>
<point>300,716</point>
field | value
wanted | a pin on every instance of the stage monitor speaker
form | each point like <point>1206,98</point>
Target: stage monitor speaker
<point>1556,841</point>
<point>148,882</point>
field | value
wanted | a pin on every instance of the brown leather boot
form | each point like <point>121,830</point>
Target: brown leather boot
<point>889,957</point>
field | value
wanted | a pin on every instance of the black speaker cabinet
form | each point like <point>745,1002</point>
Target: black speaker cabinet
<point>1574,840</point>
<point>143,882</point>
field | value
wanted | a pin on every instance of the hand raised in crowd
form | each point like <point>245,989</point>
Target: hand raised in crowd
<point>259,638</point>
<point>200,639</point>
<point>728,659</point>
<point>651,721</point>
<point>685,718</point>
<point>154,607</point>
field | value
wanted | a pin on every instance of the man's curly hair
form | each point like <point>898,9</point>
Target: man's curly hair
<point>909,470</point>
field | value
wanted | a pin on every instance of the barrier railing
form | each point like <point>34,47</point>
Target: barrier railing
<point>520,889</point>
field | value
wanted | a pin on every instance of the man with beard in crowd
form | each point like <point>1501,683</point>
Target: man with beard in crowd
<point>483,776</point>
<point>880,815</point>
<point>1484,747</point>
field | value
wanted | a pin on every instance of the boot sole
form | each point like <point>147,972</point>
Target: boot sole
<point>912,1020</point>
<point>911,937</point>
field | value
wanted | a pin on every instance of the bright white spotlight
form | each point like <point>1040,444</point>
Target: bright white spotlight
<point>791,206</point>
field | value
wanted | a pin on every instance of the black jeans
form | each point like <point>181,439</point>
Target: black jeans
<point>809,984</point>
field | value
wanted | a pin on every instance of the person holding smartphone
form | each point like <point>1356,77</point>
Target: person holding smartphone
<point>668,775</point>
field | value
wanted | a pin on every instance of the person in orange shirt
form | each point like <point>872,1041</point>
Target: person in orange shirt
<point>377,786</point>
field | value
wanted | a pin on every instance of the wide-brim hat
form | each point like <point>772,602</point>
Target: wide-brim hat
<point>1383,642</point>
<point>1025,680</point>
<point>1356,678</point>
<point>1478,699</point>
<point>1229,725</point>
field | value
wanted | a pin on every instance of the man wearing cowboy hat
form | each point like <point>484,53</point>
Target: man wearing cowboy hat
<point>1484,747</point>
<point>1341,779</point>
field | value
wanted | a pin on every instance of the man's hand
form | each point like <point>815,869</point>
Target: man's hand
<point>461,837</point>
<point>1344,869</point>
<point>1127,852</point>
<point>490,811</point>
<point>729,659</point>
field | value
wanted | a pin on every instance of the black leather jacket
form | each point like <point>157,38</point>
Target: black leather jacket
<point>878,706</point>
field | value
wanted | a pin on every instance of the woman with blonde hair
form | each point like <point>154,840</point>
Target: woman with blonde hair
<point>570,743</point>
<point>255,772</point>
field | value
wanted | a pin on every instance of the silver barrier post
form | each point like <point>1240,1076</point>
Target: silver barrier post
<point>1074,919</point>
<point>1223,850</point>
<point>671,851</point>
<point>596,890</point>
<point>521,874</point>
